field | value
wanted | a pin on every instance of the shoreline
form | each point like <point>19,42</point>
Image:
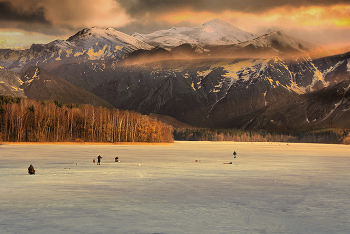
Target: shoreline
<point>85,143</point>
<point>156,143</point>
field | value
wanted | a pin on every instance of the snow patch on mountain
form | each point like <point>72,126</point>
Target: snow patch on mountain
<point>318,77</point>
<point>239,70</point>
<point>35,76</point>
<point>332,110</point>
<point>69,52</point>
<point>243,70</point>
<point>204,73</point>
<point>332,68</point>
<point>293,87</point>
<point>98,54</point>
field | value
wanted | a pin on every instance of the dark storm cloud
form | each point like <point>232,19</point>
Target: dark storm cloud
<point>8,12</point>
<point>58,17</point>
<point>66,17</point>
<point>141,7</point>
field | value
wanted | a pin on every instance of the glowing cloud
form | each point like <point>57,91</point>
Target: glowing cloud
<point>86,13</point>
<point>16,39</point>
<point>313,23</point>
<point>336,16</point>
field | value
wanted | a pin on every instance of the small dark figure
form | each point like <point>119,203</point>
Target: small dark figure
<point>93,161</point>
<point>31,169</point>
<point>116,159</point>
<point>234,154</point>
<point>99,160</point>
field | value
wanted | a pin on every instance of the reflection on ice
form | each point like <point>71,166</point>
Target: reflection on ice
<point>268,188</point>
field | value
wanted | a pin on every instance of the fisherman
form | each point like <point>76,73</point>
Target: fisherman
<point>99,160</point>
<point>31,169</point>
<point>234,154</point>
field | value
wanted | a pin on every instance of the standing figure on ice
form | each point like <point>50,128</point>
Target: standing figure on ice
<point>31,169</point>
<point>99,160</point>
<point>234,154</point>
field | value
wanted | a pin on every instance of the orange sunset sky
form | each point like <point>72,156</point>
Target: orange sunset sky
<point>23,22</point>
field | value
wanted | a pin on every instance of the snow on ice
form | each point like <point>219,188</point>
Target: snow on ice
<point>268,188</point>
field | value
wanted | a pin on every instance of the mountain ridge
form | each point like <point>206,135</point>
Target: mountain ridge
<point>254,84</point>
<point>87,44</point>
<point>214,32</point>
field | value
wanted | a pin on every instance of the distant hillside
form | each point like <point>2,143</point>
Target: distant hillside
<point>325,136</point>
<point>40,85</point>
<point>169,121</point>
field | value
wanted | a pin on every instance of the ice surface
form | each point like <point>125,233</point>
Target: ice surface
<point>269,188</point>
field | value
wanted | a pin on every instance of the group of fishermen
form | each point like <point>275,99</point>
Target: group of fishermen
<point>31,169</point>
<point>99,160</point>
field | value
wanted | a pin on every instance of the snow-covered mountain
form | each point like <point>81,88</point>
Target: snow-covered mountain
<point>88,44</point>
<point>91,37</point>
<point>278,41</point>
<point>214,75</point>
<point>215,32</point>
<point>213,39</point>
<point>273,43</point>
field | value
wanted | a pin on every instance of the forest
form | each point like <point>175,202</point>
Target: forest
<point>25,120</point>
<point>331,135</point>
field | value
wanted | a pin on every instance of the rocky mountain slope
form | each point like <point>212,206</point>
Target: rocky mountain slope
<point>10,83</point>
<point>40,85</point>
<point>288,95</point>
<point>222,92</point>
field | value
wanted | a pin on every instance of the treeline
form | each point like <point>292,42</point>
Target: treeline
<point>306,136</point>
<point>328,135</point>
<point>24,120</point>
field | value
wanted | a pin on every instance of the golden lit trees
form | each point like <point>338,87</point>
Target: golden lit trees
<point>29,120</point>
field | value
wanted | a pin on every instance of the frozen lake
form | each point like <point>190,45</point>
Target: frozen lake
<point>269,188</point>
